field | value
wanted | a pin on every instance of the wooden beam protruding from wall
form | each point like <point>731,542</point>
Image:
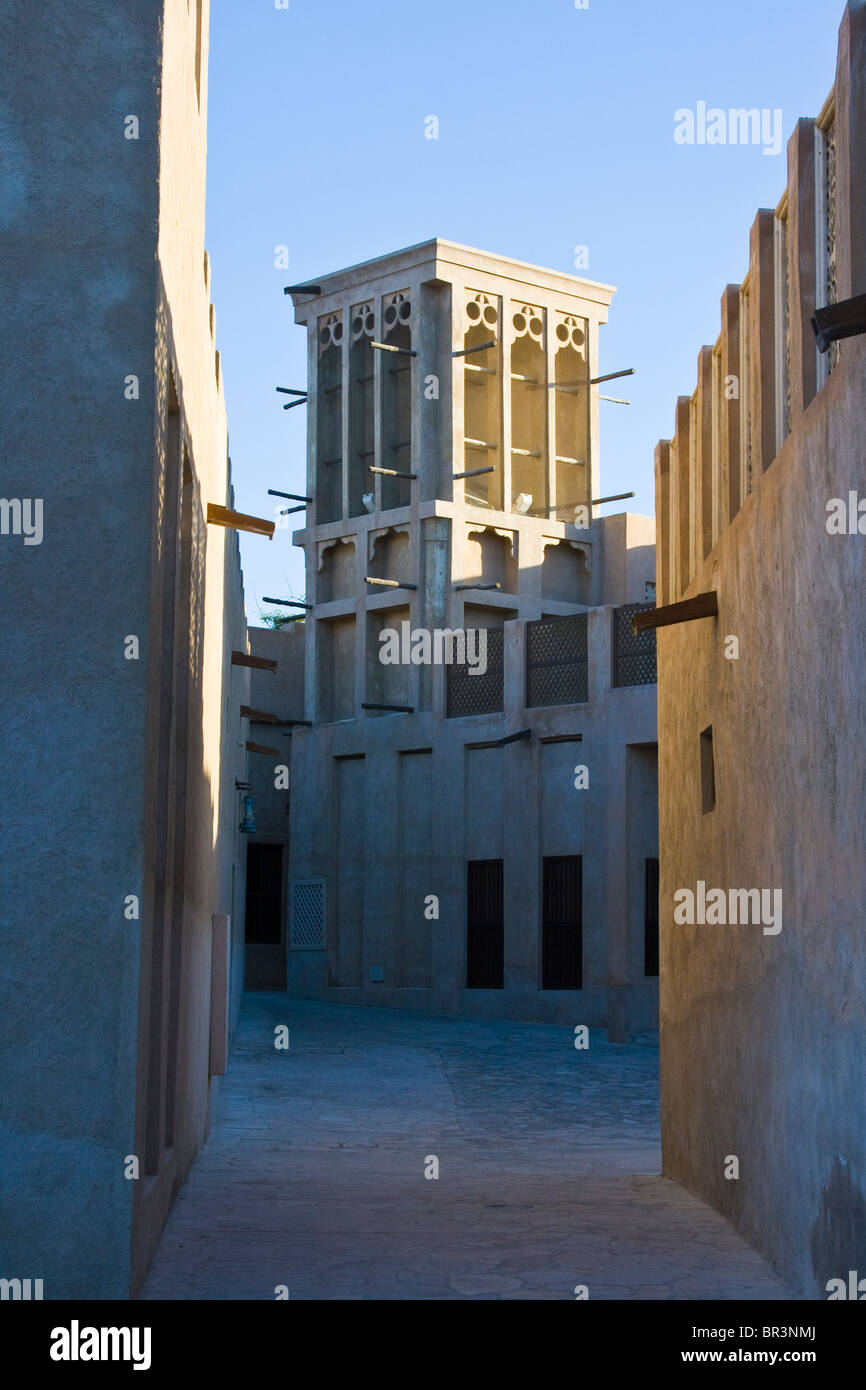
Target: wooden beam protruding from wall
<point>702,606</point>
<point>260,663</point>
<point>262,748</point>
<point>239,521</point>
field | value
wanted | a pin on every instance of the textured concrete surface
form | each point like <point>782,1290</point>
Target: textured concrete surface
<point>313,1176</point>
<point>101,239</point>
<point>763,1036</point>
<point>78,312</point>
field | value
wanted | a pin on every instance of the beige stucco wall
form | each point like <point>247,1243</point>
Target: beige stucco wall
<point>763,1035</point>
<point>185,345</point>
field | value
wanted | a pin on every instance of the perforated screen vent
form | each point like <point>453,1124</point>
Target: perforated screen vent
<point>307,918</point>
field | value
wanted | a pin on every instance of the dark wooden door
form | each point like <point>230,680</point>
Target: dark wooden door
<point>562,923</point>
<point>264,893</point>
<point>485,932</point>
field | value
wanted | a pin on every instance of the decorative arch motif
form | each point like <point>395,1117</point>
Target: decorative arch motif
<point>363,321</point>
<point>527,321</point>
<point>330,332</point>
<point>481,310</point>
<point>386,533</point>
<point>324,546</point>
<point>473,529</point>
<point>397,310</point>
<point>570,332</point>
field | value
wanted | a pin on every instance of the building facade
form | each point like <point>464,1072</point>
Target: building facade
<point>477,841</point>
<point>761,755</point>
<point>122,911</point>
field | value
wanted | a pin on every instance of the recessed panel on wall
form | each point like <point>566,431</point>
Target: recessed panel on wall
<point>396,399</point>
<point>362,432</point>
<point>572,414</point>
<point>328,405</point>
<point>482,802</point>
<point>335,638</point>
<point>347,922</point>
<point>564,771</point>
<point>415,811</point>
<point>389,676</point>
<point>529,411</point>
<point>482,400</point>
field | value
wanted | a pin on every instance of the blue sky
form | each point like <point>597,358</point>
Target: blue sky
<point>555,131</point>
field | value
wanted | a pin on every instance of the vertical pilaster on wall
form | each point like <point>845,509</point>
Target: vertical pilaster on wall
<point>684,492</point>
<point>362,622</point>
<point>780,321</point>
<point>802,382</point>
<point>435,534</point>
<point>551,445</point>
<point>704,461</point>
<point>730,469</point>
<point>762,335</point>
<point>312,414</point>
<point>454,384</point>
<point>311,652</point>
<point>219,985</point>
<point>345,411</point>
<point>377,480</point>
<point>674,533</point>
<point>595,465</point>
<point>851,151</point>
<point>616,839</point>
<point>430,329</point>
<point>664,556</point>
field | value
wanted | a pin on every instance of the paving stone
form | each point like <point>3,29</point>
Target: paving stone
<point>313,1175</point>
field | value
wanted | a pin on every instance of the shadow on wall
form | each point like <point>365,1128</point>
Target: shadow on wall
<point>839,1234</point>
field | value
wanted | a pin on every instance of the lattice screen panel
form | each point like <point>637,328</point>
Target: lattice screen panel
<point>307,916</point>
<point>557,671</point>
<point>477,694</point>
<point>634,658</point>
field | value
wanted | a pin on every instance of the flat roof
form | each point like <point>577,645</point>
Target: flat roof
<point>443,252</point>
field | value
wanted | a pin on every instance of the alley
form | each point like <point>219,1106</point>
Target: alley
<point>548,1157</point>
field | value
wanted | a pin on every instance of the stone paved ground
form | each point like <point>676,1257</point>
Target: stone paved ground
<point>313,1176</point>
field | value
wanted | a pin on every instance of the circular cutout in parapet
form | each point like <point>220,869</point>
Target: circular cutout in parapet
<point>519,322</point>
<point>562,332</point>
<point>337,332</point>
<point>535,327</point>
<point>325,336</point>
<point>369,321</point>
<point>357,325</point>
<point>405,311</point>
<point>577,337</point>
<point>490,316</point>
<point>473,311</point>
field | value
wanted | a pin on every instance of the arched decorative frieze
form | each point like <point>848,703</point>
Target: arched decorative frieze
<point>385,534</point>
<point>324,546</point>
<point>397,310</point>
<point>363,321</point>
<point>583,548</point>
<point>482,310</point>
<point>527,321</point>
<point>570,332</point>
<point>330,331</point>
<point>473,529</point>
